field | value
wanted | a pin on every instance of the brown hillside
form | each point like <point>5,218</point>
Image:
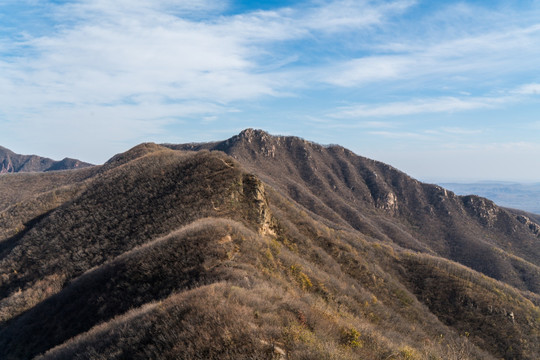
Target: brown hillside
<point>384,203</point>
<point>273,248</point>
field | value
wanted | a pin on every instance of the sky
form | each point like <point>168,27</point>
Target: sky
<point>442,90</point>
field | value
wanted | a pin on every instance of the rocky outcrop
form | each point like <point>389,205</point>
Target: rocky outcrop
<point>481,208</point>
<point>254,197</point>
<point>534,227</point>
<point>7,166</point>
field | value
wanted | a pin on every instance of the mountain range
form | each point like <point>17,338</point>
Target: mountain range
<point>13,163</point>
<point>260,247</point>
<point>523,196</point>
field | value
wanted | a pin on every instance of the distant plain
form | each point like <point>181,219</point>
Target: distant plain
<point>507,194</point>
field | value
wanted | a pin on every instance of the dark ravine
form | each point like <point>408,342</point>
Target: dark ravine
<point>261,247</point>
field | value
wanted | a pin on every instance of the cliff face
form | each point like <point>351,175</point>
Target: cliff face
<point>12,163</point>
<point>7,166</point>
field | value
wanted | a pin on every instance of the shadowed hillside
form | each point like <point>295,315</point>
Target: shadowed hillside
<point>271,248</point>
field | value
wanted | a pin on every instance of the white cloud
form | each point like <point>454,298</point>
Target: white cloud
<point>498,147</point>
<point>436,105</point>
<point>123,69</point>
<point>333,123</point>
<point>461,131</point>
<point>105,66</point>
<point>528,89</point>
<point>502,52</point>
<point>309,20</point>
<point>367,70</point>
<point>131,71</point>
<point>110,51</point>
<point>337,15</point>
<point>122,9</point>
<point>399,135</point>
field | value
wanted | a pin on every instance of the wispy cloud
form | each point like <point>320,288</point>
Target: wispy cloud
<point>399,135</point>
<point>429,105</point>
<point>504,50</point>
<point>120,70</point>
<point>333,123</point>
<point>112,51</point>
<point>461,131</point>
<point>436,105</point>
<point>528,89</point>
<point>444,134</point>
<point>151,61</point>
<point>499,147</point>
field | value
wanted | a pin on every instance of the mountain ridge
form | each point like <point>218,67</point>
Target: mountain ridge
<point>378,190</point>
<point>268,248</point>
<point>11,162</point>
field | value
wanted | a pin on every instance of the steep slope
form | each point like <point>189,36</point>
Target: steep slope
<point>13,163</point>
<point>120,209</point>
<point>386,204</point>
<point>163,254</point>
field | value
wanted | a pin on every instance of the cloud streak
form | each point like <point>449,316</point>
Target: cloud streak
<point>155,59</point>
<point>423,106</point>
<point>110,51</point>
<point>503,52</point>
<point>528,89</point>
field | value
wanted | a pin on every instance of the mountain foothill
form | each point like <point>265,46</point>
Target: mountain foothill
<point>258,247</point>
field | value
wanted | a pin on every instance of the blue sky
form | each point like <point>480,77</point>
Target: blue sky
<point>443,90</point>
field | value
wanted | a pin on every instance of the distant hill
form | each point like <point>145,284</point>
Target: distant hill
<point>513,195</point>
<point>13,163</point>
<point>261,247</point>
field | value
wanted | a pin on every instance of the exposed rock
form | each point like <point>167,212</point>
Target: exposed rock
<point>483,208</point>
<point>277,352</point>
<point>7,166</point>
<point>387,201</point>
<point>534,227</point>
<point>253,191</point>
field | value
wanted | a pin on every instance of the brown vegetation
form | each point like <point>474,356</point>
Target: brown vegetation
<point>282,250</point>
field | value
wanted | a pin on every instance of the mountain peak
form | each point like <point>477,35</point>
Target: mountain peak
<point>251,134</point>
